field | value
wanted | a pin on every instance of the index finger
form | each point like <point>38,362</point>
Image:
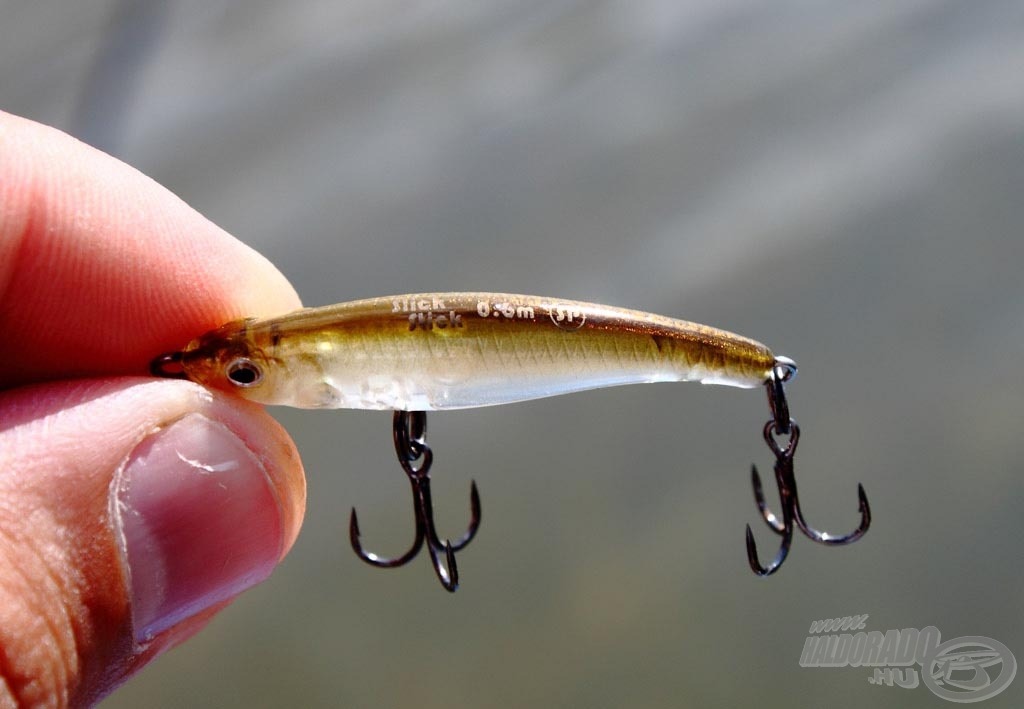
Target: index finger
<point>101,268</point>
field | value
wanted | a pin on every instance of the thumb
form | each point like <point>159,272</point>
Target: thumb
<point>131,511</point>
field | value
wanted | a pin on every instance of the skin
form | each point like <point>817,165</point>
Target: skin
<point>101,268</point>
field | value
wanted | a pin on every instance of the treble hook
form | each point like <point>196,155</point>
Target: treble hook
<point>781,425</point>
<point>410,434</point>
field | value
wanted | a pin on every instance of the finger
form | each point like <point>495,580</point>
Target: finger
<point>131,510</point>
<point>101,268</point>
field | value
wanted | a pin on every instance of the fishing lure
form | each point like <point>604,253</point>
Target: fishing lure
<point>419,353</point>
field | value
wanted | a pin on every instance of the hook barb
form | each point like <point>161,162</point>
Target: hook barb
<point>780,555</point>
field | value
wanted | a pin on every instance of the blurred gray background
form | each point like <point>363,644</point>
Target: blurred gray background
<point>841,180</point>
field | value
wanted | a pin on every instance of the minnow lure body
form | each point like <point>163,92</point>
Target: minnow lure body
<point>459,350</point>
<point>415,353</point>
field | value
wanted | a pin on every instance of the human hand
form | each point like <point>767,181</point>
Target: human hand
<point>131,509</point>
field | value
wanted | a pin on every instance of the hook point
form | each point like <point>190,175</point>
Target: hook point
<point>353,527</point>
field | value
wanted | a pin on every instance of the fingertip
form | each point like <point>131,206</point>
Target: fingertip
<point>106,264</point>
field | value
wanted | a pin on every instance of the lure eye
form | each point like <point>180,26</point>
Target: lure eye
<point>244,372</point>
